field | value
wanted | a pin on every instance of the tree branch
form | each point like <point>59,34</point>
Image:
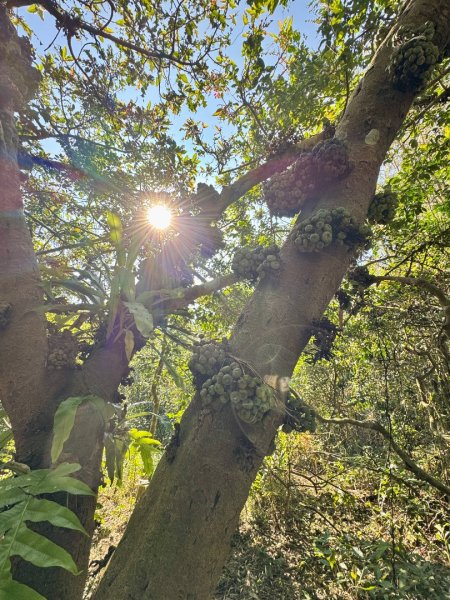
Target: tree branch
<point>407,460</point>
<point>443,300</point>
<point>71,24</point>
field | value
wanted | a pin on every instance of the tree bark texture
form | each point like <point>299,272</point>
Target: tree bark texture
<point>178,537</point>
<point>29,390</point>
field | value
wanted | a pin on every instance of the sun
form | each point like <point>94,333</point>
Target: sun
<point>159,216</point>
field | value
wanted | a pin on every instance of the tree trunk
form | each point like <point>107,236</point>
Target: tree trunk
<point>29,391</point>
<point>179,534</point>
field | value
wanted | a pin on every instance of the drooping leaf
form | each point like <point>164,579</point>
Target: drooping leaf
<point>65,419</point>
<point>129,344</point>
<point>13,590</point>
<point>19,495</point>
<point>63,423</point>
<point>142,317</point>
<point>39,509</point>
<point>38,550</point>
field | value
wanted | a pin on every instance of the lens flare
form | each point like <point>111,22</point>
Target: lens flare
<point>159,216</point>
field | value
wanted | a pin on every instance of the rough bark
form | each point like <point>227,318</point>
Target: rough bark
<point>29,391</point>
<point>178,537</point>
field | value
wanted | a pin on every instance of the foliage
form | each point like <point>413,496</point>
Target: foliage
<point>21,503</point>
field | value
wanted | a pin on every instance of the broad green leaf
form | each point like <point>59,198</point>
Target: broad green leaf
<point>9,518</point>
<point>63,484</point>
<point>142,317</point>
<point>146,453</point>
<point>47,510</point>
<point>104,409</point>
<point>63,423</point>
<point>65,418</point>
<point>115,227</point>
<point>143,436</point>
<point>38,550</point>
<point>13,590</point>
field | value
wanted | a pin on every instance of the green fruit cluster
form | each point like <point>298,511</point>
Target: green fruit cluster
<point>383,206</point>
<point>360,278</point>
<point>332,159</point>
<point>207,358</point>
<point>5,315</point>
<point>62,350</point>
<point>412,61</point>
<point>249,263</point>
<point>326,226</point>
<point>299,415</point>
<point>249,396</point>
<point>284,142</point>
<point>286,192</point>
<point>271,264</point>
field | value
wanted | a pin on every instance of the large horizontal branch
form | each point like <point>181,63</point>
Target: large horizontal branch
<point>244,184</point>
<point>72,24</point>
<point>407,460</point>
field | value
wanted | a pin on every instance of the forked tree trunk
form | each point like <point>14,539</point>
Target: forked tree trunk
<point>178,537</point>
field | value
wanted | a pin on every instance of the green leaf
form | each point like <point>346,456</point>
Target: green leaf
<point>104,409</point>
<point>129,344</point>
<point>146,453</point>
<point>143,436</point>
<point>110,456</point>
<point>70,485</point>
<point>63,423</point>
<point>13,590</point>
<point>115,227</point>
<point>46,510</point>
<point>38,550</point>
<point>65,418</point>
<point>142,317</point>
<point>76,286</point>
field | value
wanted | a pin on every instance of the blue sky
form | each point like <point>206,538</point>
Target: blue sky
<point>44,33</point>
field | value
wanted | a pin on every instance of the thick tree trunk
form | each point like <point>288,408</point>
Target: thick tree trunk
<point>29,391</point>
<point>178,537</point>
